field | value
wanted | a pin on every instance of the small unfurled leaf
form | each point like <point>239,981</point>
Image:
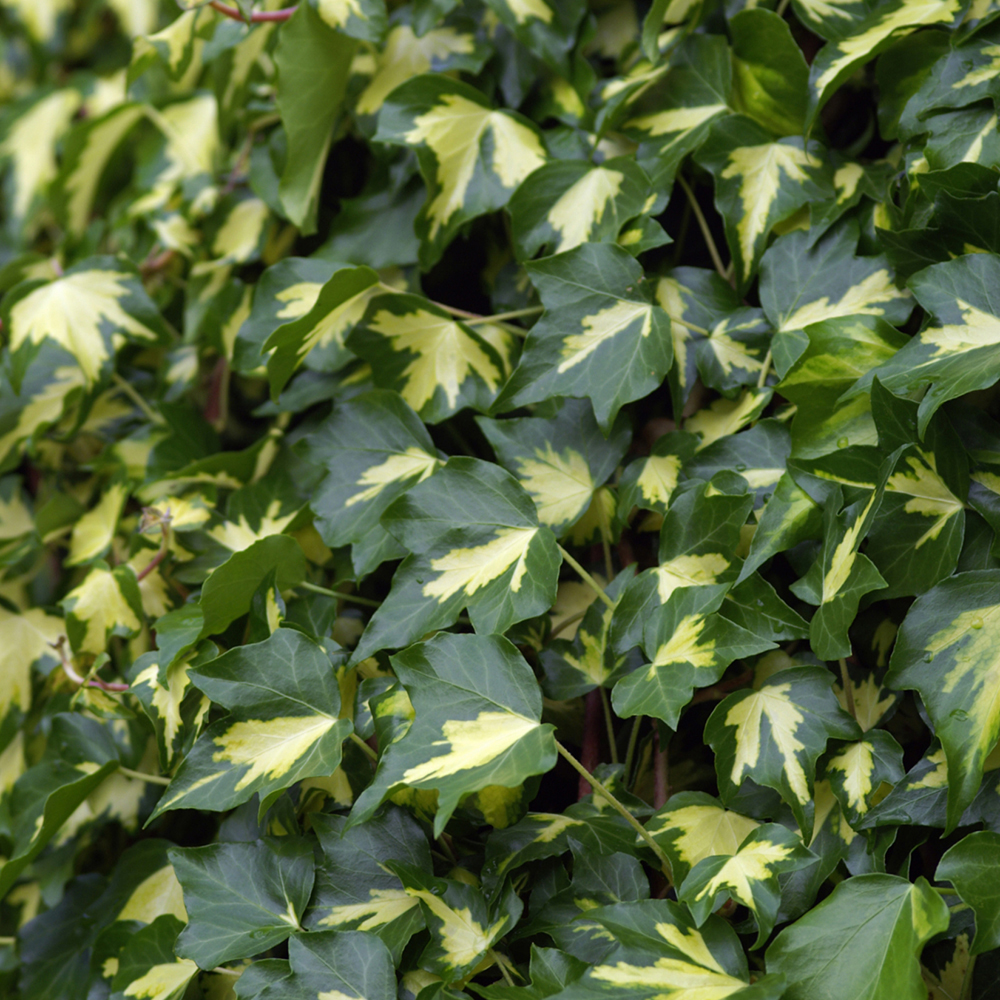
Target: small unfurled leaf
<point>872,927</point>
<point>477,544</point>
<point>857,772</point>
<point>775,735</point>
<point>749,875</point>
<point>477,708</point>
<point>601,336</point>
<point>283,724</point>
<point>241,898</point>
<point>107,603</point>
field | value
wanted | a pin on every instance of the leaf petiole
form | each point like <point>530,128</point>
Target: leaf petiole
<point>586,577</point>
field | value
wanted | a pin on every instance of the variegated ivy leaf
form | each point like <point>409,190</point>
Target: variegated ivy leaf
<point>698,542</point>
<point>148,967</point>
<point>873,927</point>
<point>560,461</point>
<point>174,706</point>
<point>26,639</point>
<point>714,334</point>
<point>477,706</point>
<point>889,20</point>
<point>957,352</point>
<point>946,650</point>
<point>472,157</point>
<point>357,966</point>
<point>660,952</point>
<point>374,448</point>
<point>463,927</point>
<point>727,416</point>
<point>569,202</point>
<point>575,666</point>
<point>173,47</point>
<point>672,117</point>
<point>857,772</point>
<point>476,544</point>
<point>436,363</point>
<point>601,336</point>
<point>805,280</point>
<point>650,482</point>
<point>831,19</point>
<point>693,826</point>
<point>283,725</point>
<point>241,898</point>
<point>90,312</point>
<point>841,575</point>
<point>107,603</point>
<point>364,19</point>
<point>94,531</point>
<point>968,135</point>
<point>920,798</point>
<point>759,183</point>
<point>689,646</point>
<point>353,889</point>
<point>775,734</point>
<point>546,27</point>
<point>749,875</point>
<point>316,338</point>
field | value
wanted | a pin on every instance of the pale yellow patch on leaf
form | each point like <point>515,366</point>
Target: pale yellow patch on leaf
<point>908,15</point>
<point>871,701</point>
<point>93,533</point>
<point>732,353</point>
<point>15,517</point>
<point>977,329</point>
<point>559,482</point>
<point>337,13</point>
<point>12,764</point>
<point>591,662</point>
<point>930,496</point>
<point>704,831</point>
<point>579,210</point>
<point>463,939</point>
<point>762,171</point>
<point>452,130</point>
<point>676,977</point>
<point>658,478</point>
<point>100,603</point>
<point>937,776</point>
<point>472,743</point>
<point>982,74</point>
<point>784,718</point>
<point>846,180</point>
<point>270,747</point>
<point>676,119</point>
<point>25,636</point>
<point>238,535</point>
<point>689,571</point>
<point>237,239</point>
<point>604,325</point>
<point>825,803</point>
<point>162,980</point>
<point>523,10</point>
<point>724,417</point>
<point>39,16</point>
<point>414,462</point>
<point>469,570</point>
<point>443,355</point>
<point>406,56</point>
<point>167,700</point>
<point>155,895</point>
<point>758,479</point>
<point>856,763</point>
<point>384,906</point>
<point>752,864</point>
<point>866,298</point>
<point>298,299</point>
<point>842,560</point>
<point>71,311</point>
<point>685,646</point>
<point>43,408</point>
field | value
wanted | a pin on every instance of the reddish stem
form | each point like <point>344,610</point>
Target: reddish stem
<point>590,755</point>
<point>70,671</point>
<point>151,565</point>
<point>257,16</point>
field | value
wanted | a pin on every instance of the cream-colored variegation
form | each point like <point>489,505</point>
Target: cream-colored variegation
<point>929,495</point>
<point>759,479</point>
<point>162,980</point>
<point>825,803</point>
<point>93,533</point>
<point>527,10</point>
<point>784,718</point>
<point>846,180</point>
<point>444,355</point>
<point>382,907</point>
<point>238,535</point>
<point>25,637</point>
<point>166,699</point>
<point>844,555</point>
<point>469,570</point>
<point>296,300</point>
<point>906,17</point>
<point>856,763</point>
<point>405,56</point>
<point>414,463</point>
<point>471,743</point>
<point>602,326</point>
<point>659,477</point>
<point>591,661</point>
<point>675,977</point>
<point>30,146</point>
<point>155,895</point>
<point>867,298</point>
<point>580,209</point>
<point>559,482</point>
<point>982,74</point>
<point>15,517</point>
<point>453,131</point>
<point>39,16</point>
<point>337,13</point>
<point>725,417</point>
<point>754,863</point>
<point>689,571</point>
<point>731,353</point>
<point>43,408</point>
<point>698,832</point>
<point>270,748</point>
<point>823,9</point>
<point>674,120</point>
<point>72,311</point>
<point>685,646</point>
<point>100,603</point>
<point>977,329</point>
<point>462,938</point>
<point>763,171</point>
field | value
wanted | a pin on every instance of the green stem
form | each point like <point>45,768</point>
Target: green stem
<point>586,577</point>
<point>602,790</point>
<point>358,741</point>
<point>633,742</point>
<point>765,370</point>
<point>7,941</point>
<point>219,970</point>
<point>501,317</point>
<point>782,7</point>
<point>151,415</point>
<point>152,779</point>
<point>967,982</point>
<point>703,226</point>
<point>351,598</point>
<point>609,724</point>
<point>503,969</point>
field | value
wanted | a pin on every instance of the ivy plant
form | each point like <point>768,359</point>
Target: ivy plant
<point>499,495</point>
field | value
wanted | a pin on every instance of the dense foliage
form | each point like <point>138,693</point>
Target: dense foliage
<point>500,496</point>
